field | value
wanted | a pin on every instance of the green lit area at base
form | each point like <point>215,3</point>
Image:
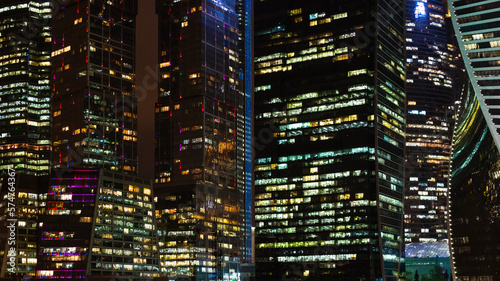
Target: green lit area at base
<point>430,268</point>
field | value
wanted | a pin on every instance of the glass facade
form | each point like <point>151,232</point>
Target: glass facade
<point>474,193</point>
<point>329,139</point>
<point>203,131</point>
<point>25,115</point>
<point>478,32</point>
<point>244,8</point>
<point>200,232</point>
<point>29,200</point>
<point>94,108</point>
<point>430,112</point>
<point>98,224</point>
<point>475,162</point>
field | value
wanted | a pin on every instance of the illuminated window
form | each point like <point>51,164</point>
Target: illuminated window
<point>356,72</point>
<point>295,12</point>
<point>85,219</point>
<point>60,51</point>
<point>45,273</point>
<point>340,16</point>
<point>164,64</point>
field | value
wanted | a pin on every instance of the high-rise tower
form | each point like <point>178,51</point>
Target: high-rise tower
<point>474,190</point>
<point>94,107</point>
<point>25,86</point>
<point>25,122</point>
<point>203,130</point>
<point>429,123</point>
<point>329,133</point>
<point>98,224</point>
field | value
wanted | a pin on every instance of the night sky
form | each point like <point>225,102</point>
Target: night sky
<point>146,89</point>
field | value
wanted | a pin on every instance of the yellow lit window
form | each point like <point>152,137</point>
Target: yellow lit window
<point>60,51</point>
<point>295,12</point>
<point>85,219</point>
<point>164,64</point>
<point>327,20</point>
<point>356,72</point>
<point>340,16</point>
<point>342,57</point>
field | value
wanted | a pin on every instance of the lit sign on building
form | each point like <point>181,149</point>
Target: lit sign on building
<point>420,10</point>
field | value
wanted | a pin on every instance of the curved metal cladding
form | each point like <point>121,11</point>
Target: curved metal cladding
<point>477,26</point>
<point>474,196</point>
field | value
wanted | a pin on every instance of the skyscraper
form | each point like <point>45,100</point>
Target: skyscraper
<point>203,127</point>
<point>475,168</point>
<point>430,83</point>
<point>474,191</point>
<point>98,224</point>
<point>19,223</point>
<point>244,8</point>
<point>94,105</point>
<point>25,145</point>
<point>25,86</point>
<point>329,126</point>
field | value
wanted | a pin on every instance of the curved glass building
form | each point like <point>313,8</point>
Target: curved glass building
<point>474,192</point>
<point>474,205</point>
<point>478,32</point>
